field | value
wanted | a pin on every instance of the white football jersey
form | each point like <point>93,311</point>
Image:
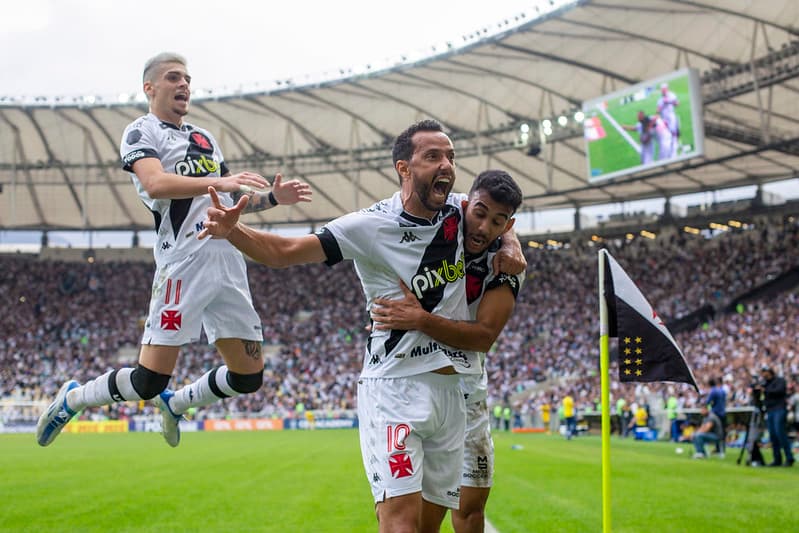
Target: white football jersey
<point>186,151</point>
<point>481,278</point>
<point>388,244</point>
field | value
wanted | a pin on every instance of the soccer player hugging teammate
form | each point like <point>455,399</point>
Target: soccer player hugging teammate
<point>411,410</point>
<point>172,163</point>
<point>491,295</point>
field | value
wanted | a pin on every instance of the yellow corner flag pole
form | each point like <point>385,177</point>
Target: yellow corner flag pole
<point>604,369</point>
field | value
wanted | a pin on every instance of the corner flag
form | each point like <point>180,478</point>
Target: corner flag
<point>647,351</point>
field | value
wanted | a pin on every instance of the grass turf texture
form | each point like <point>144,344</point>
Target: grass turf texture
<point>296,481</point>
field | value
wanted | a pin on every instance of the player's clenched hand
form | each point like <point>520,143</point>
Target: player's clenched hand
<point>241,181</point>
<point>403,314</point>
<point>220,220</point>
<point>510,258</point>
<point>290,192</point>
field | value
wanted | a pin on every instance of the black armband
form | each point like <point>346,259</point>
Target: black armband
<point>272,199</point>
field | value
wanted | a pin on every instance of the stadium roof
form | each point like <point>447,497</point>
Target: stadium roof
<point>59,159</point>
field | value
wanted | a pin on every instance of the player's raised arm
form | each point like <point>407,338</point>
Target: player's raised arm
<point>267,248</point>
<point>480,334</point>
<point>162,184</point>
<point>281,193</point>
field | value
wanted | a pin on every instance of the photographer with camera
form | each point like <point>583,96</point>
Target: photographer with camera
<point>775,396</point>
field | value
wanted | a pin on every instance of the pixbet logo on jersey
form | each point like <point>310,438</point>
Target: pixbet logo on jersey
<point>431,278</point>
<point>196,166</point>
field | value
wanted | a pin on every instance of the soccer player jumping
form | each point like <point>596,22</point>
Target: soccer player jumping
<point>172,163</point>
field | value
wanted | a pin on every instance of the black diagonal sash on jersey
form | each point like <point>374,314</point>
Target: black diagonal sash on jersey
<point>198,162</point>
<point>443,247</point>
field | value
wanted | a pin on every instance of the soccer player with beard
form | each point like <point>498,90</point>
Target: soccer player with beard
<point>410,407</point>
<point>172,163</point>
<point>493,200</point>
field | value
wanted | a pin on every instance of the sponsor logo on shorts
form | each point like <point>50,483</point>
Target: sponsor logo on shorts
<point>481,472</point>
<point>454,493</point>
<point>400,465</point>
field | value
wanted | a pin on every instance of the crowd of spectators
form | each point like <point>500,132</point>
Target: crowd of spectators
<point>75,320</point>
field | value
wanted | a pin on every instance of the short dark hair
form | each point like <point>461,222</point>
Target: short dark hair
<point>500,186</point>
<point>403,144</point>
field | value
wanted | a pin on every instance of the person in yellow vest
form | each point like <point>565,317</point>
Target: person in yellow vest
<point>570,416</point>
<point>640,417</point>
<point>545,414</point>
<point>671,411</point>
<point>309,417</point>
<point>497,416</point>
<point>506,414</point>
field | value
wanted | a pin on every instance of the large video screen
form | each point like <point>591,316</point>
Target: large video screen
<point>643,126</point>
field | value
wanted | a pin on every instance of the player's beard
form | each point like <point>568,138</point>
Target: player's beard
<point>424,191</point>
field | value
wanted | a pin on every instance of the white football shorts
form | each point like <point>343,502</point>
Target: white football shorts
<point>209,289</point>
<point>478,451</point>
<point>411,431</point>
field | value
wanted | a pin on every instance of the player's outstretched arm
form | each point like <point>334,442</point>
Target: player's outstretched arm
<point>282,193</point>
<point>495,308</point>
<point>267,248</point>
<point>510,257</point>
<point>162,184</point>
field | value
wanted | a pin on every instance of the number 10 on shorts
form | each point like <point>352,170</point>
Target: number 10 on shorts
<point>396,435</point>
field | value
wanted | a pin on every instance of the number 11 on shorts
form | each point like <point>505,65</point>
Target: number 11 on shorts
<point>396,435</point>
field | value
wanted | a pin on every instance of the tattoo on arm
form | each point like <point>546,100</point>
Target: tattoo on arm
<point>252,349</point>
<point>258,202</point>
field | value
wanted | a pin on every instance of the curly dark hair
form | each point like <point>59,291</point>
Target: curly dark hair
<point>500,186</point>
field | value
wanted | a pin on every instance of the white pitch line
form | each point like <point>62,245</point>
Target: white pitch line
<point>621,130</point>
<point>490,527</point>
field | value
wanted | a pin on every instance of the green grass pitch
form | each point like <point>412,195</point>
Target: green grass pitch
<point>297,481</point>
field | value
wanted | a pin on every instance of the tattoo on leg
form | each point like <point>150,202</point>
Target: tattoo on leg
<point>253,349</point>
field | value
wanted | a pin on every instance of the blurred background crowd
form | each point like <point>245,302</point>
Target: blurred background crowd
<point>76,320</point>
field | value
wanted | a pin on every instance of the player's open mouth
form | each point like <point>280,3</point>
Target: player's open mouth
<point>182,97</point>
<point>441,185</point>
<point>476,241</point>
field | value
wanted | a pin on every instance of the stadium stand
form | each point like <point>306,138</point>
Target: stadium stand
<point>74,319</point>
